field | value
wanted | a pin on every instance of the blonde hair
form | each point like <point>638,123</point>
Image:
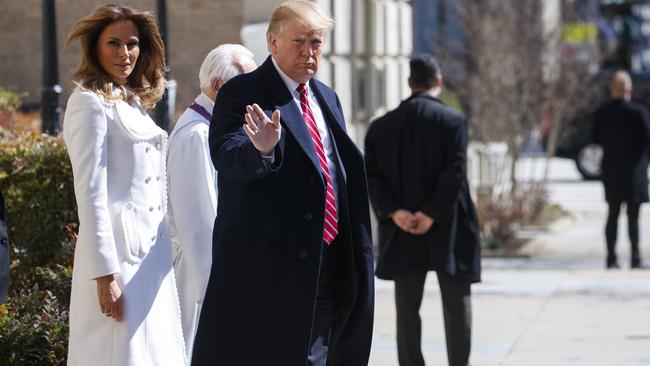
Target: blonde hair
<point>306,13</point>
<point>147,81</point>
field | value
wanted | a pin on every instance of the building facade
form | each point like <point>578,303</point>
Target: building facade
<point>191,35</point>
<point>366,61</point>
<point>437,29</point>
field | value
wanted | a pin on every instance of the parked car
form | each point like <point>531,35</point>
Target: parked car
<point>624,43</point>
<point>576,139</point>
<point>576,145</point>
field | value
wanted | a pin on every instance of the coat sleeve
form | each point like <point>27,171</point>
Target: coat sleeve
<point>192,196</point>
<point>233,154</point>
<point>84,133</point>
<point>383,201</point>
<point>450,181</point>
<point>595,130</point>
<point>644,129</point>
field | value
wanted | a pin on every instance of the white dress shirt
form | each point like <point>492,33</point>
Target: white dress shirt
<point>292,85</point>
<point>192,191</point>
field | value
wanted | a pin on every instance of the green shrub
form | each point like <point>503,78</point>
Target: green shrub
<point>9,101</point>
<point>34,326</point>
<point>36,179</point>
<point>9,104</point>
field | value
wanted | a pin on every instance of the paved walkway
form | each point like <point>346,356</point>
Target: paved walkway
<point>561,307</point>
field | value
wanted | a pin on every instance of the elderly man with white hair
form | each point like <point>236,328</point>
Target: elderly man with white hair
<point>192,185</point>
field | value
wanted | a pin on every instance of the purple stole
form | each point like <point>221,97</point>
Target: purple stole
<point>202,111</point>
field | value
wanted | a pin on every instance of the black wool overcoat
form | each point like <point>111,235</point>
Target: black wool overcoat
<point>416,157</point>
<point>267,239</point>
<point>622,129</point>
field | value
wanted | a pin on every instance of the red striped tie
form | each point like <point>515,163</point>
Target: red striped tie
<point>331,226</point>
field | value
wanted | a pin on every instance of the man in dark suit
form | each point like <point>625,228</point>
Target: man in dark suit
<point>416,161</point>
<point>291,281</point>
<point>621,128</point>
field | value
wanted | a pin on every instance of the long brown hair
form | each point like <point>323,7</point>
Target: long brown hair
<point>147,81</point>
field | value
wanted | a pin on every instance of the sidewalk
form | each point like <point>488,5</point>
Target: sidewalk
<point>559,308</point>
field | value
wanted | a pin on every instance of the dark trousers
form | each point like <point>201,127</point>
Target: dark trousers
<point>323,314</point>
<point>611,229</point>
<point>457,313</point>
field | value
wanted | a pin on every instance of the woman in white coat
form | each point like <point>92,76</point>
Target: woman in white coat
<point>124,308</point>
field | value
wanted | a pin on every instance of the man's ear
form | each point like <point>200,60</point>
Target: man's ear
<point>271,41</point>
<point>215,85</point>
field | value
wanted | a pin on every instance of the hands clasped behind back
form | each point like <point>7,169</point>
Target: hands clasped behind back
<point>263,132</point>
<point>413,223</point>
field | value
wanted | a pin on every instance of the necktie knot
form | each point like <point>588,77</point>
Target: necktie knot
<point>302,89</point>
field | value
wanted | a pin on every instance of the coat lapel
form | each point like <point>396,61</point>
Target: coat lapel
<point>326,106</point>
<point>289,112</point>
<point>335,124</point>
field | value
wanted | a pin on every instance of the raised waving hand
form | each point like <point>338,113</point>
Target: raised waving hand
<point>263,132</point>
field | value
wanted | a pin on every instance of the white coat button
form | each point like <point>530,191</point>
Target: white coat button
<point>153,238</point>
<point>151,209</point>
<point>158,178</point>
<point>159,208</point>
<point>146,149</point>
<point>146,181</point>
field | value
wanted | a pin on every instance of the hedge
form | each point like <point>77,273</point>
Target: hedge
<point>36,180</point>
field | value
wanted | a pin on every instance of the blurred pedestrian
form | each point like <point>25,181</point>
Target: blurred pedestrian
<point>291,280</point>
<point>124,306</point>
<point>416,161</point>
<point>622,128</point>
<point>193,183</point>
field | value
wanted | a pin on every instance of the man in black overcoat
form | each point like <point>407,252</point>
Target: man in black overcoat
<point>291,281</point>
<point>621,127</point>
<point>416,164</point>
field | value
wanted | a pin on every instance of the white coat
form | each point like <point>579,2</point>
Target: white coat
<point>192,210</point>
<point>118,163</point>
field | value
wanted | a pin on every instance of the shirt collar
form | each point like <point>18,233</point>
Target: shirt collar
<point>291,84</point>
<point>205,102</point>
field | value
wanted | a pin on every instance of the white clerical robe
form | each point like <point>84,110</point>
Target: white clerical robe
<point>192,191</point>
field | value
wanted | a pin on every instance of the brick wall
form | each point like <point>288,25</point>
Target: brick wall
<point>367,60</point>
<point>195,27</point>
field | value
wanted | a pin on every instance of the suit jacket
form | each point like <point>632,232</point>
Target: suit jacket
<point>267,240</point>
<point>416,160</point>
<point>622,129</point>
